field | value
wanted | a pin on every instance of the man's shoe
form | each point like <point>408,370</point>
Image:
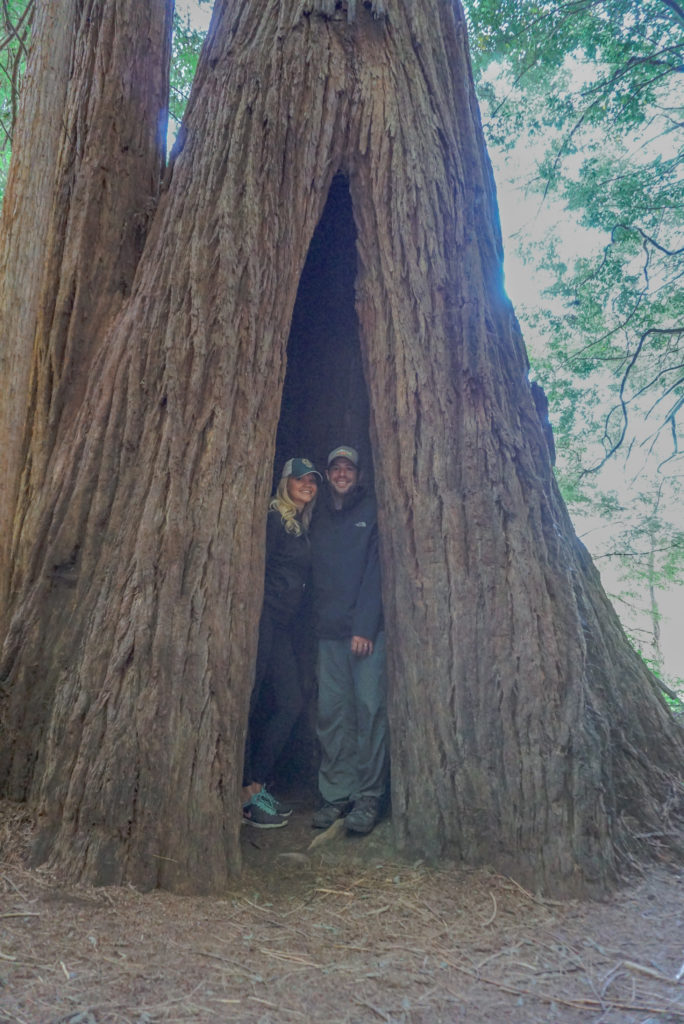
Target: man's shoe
<point>364,816</point>
<point>326,815</point>
<point>259,813</point>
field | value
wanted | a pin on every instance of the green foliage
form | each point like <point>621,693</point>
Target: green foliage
<point>591,90</point>
<point>15,29</point>
<point>185,51</point>
<point>598,81</point>
<point>637,536</point>
<point>676,703</point>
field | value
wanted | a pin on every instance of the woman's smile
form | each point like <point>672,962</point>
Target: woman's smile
<point>302,489</point>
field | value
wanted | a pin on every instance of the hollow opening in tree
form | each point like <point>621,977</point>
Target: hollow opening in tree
<point>325,399</point>
<point>324,403</point>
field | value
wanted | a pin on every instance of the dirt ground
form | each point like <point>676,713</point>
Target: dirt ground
<point>344,933</point>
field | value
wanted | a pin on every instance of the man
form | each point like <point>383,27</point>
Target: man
<point>352,715</point>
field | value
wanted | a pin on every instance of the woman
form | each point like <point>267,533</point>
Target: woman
<point>288,563</point>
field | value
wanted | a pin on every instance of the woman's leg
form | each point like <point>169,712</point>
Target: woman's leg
<point>286,698</point>
<point>266,635</point>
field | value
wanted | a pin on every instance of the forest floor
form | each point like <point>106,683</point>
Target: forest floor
<point>344,933</point>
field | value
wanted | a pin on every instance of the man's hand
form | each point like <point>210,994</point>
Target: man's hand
<point>361,646</point>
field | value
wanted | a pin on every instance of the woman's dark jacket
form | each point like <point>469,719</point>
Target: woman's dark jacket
<point>288,566</point>
<point>346,567</point>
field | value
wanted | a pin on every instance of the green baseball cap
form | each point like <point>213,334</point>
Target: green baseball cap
<point>298,468</point>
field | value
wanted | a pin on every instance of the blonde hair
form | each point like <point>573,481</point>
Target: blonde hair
<point>282,502</point>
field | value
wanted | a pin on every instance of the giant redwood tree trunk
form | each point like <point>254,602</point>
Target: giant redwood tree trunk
<point>525,732</point>
<point>86,163</point>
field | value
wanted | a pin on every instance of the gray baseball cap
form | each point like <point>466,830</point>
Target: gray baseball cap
<point>344,451</point>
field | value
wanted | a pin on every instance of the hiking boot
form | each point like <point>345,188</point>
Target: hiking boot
<point>259,813</point>
<point>364,816</point>
<point>329,813</point>
<point>277,806</point>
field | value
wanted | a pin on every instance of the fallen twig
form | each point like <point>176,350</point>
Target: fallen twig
<point>540,900</point>
<point>330,833</point>
<point>577,1004</point>
<point>491,918</point>
<point>650,971</point>
<point>375,1009</point>
<point>334,892</point>
<point>290,958</point>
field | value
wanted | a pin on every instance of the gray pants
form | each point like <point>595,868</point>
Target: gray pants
<point>352,721</point>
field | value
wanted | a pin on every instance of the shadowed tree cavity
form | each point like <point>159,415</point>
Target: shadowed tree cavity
<point>325,398</point>
<point>325,403</point>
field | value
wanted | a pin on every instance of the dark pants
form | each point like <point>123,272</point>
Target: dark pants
<point>277,688</point>
<point>352,721</point>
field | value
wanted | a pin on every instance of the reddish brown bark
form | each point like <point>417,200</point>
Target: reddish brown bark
<point>525,732</point>
<point>84,179</point>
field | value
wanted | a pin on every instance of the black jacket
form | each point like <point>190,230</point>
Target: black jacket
<point>346,567</point>
<point>288,566</point>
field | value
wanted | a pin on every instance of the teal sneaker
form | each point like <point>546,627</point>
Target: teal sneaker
<point>284,810</point>
<point>259,813</point>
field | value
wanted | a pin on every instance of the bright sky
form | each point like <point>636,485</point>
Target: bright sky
<point>198,12</point>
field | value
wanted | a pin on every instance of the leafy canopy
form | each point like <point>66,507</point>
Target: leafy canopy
<point>597,83</point>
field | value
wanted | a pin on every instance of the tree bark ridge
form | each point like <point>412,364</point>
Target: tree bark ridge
<point>104,68</point>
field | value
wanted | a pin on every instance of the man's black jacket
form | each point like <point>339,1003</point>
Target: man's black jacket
<point>346,567</point>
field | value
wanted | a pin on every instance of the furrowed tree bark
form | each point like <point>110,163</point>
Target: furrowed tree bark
<point>145,592</point>
<point>86,163</point>
<point>525,732</point>
<point>526,704</point>
<point>26,210</point>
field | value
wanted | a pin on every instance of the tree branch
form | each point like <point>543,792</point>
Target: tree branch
<point>624,402</point>
<point>647,238</point>
<point>16,31</point>
<point>676,9</point>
